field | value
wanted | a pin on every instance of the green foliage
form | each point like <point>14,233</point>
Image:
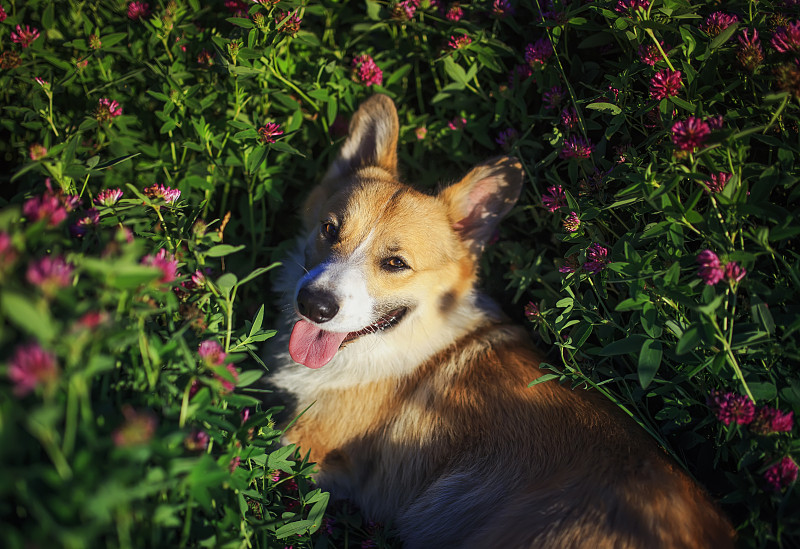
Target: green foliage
<point>240,111</point>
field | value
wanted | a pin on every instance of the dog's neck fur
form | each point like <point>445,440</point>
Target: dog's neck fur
<point>375,357</point>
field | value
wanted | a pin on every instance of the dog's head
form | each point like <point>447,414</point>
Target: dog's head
<point>388,266</point>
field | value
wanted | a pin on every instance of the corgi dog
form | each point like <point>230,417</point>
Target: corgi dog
<point>416,387</point>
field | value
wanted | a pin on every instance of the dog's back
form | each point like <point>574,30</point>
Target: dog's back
<point>422,413</point>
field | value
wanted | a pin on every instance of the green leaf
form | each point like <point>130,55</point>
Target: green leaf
<point>248,377</point>
<point>632,303</point>
<point>649,361</point>
<point>221,250</point>
<point>455,71</point>
<point>630,345</point>
<point>542,379</point>
<point>763,391</point>
<point>605,107</point>
<point>240,22</point>
<point>36,321</point>
<point>688,340</point>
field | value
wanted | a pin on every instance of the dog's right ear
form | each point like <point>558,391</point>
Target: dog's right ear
<point>372,139</point>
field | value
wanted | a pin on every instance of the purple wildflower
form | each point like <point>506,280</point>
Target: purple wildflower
<point>50,274</point>
<point>733,272</point>
<point>649,53</point>
<point>531,310</point>
<point>787,38</point>
<point>576,147</point>
<point>269,132</point>
<point>718,181</point>
<point>458,42</point>
<point>554,198</point>
<point>519,73</point>
<point>31,366</point>
<point>37,152</point>
<point>169,194</point>
<point>539,52</point>
<point>572,222</point>
<point>24,37</point>
<point>108,197</point>
<point>665,83</point>
<point>138,10</point>
<point>781,474</point>
<point>711,270</point>
<point>107,110</point>
<point>750,53</point>
<point>553,97</point>
<point>366,71</point>
<point>731,408</point>
<point>137,429</point>
<point>288,23</point>
<point>457,123</point>
<point>454,12</point>
<point>769,420</point>
<point>690,133</point>
<point>506,137</point>
<point>597,256</point>
<point>196,441</point>
<point>570,265</point>
<point>89,219</point>
<point>718,22</point>
<point>631,6</point>
<point>502,8</point>
<point>406,9</point>
<point>211,352</point>
<point>569,118</point>
<point>165,262</point>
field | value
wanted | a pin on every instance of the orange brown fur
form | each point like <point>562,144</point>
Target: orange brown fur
<point>449,444</point>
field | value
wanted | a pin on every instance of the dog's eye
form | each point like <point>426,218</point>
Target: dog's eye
<point>329,231</point>
<point>394,264</point>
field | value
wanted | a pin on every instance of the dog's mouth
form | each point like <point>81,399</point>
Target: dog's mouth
<point>314,347</point>
<point>387,321</point>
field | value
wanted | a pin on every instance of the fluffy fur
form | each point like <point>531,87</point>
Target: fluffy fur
<point>427,422</point>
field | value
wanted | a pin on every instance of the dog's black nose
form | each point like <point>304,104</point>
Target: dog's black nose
<point>316,305</point>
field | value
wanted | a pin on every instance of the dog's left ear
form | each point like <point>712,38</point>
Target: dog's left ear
<point>371,139</point>
<point>477,203</point>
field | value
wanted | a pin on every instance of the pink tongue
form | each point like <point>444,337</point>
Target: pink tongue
<point>311,346</point>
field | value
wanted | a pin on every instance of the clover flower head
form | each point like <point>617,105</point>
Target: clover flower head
<point>30,367</point>
<point>631,6</point>
<point>24,36</point>
<point>750,54</point>
<point>454,12</point>
<point>649,53</point>
<point>138,10</point>
<point>769,420</point>
<point>50,274</point>
<point>711,270</point>
<point>137,429</point>
<point>553,97</point>
<point>37,152</point>
<point>169,194</point>
<point>569,118</point>
<point>538,52</point>
<point>288,23</point>
<point>90,218</point>
<point>665,83</point>
<point>577,147</point>
<point>787,38</point>
<point>406,9</point>
<point>718,181</point>
<point>733,272</point>
<point>457,123</point>
<point>196,441</point>
<point>165,262</point>
<point>597,256</point>
<point>502,8</point>
<point>366,71</point>
<point>108,197</point>
<point>782,474</point>
<point>506,137</point>
<point>717,22</point>
<point>211,352</point>
<point>269,132</point>
<point>531,310</point>
<point>459,42</point>
<point>572,222</point>
<point>691,133</point>
<point>554,198</point>
<point>730,408</point>
<point>107,109</point>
